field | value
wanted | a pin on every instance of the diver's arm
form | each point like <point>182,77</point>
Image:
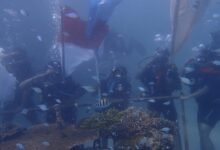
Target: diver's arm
<point>9,56</point>
<point>28,82</point>
<point>197,93</point>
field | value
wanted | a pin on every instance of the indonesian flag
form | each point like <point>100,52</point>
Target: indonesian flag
<point>184,15</point>
<point>77,47</point>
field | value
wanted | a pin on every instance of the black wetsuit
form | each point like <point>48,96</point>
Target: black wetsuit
<point>161,79</point>
<point>64,93</point>
<point>116,88</point>
<point>205,73</point>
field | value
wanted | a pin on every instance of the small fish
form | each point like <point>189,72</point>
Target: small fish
<point>151,83</point>
<point>217,50</point>
<point>37,90</point>
<point>89,70</point>
<point>165,129</point>
<point>24,111</point>
<point>142,89</point>
<point>45,143</point>
<point>10,12</point>
<point>95,78</point>
<point>89,89</point>
<point>119,87</point>
<point>188,69</point>
<point>20,146</point>
<point>165,136</point>
<point>1,51</point>
<point>39,38</point>
<point>137,147</point>
<point>168,38</point>
<point>54,46</point>
<point>103,103</point>
<point>167,103</point>
<point>72,15</point>
<point>58,101</point>
<point>151,101</point>
<point>198,47</point>
<point>54,16</point>
<point>186,80</point>
<point>201,46</point>
<point>88,109</point>
<point>76,104</point>
<point>158,39</point>
<point>162,38</point>
<point>215,16</point>
<point>23,12</point>
<point>111,52</point>
<point>209,21</point>
<point>195,49</point>
<point>216,62</point>
<point>102,2</point>
<point>157,35</point>
<point>43,107</point>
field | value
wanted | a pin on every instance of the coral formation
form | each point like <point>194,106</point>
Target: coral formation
<point>134,129</point>
<point>130,129</point>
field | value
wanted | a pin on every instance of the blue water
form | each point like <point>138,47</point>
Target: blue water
<point>136,20</point>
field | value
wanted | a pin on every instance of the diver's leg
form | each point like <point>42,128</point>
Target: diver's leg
<point>7,119</point>
<point>208,117</point>
<point>205,140</point>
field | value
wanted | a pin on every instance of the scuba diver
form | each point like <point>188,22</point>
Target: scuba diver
<point>160,79</point>
<point>55,90</point>
<point>15,62</point>
<point>202,75</point>
<point>115,93</point>
<point>115,89</point>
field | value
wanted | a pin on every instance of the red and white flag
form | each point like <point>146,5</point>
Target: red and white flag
<point>76,46</point>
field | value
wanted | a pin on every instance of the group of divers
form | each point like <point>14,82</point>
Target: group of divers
<point>160,79</point>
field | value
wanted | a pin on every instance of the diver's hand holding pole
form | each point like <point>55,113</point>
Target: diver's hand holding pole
<point>197,93</point>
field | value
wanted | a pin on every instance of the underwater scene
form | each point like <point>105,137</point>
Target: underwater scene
<point>109,74</point>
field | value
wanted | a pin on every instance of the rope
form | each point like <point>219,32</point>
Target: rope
<point>135,99</point>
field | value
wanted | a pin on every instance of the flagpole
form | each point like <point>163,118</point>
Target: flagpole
<point>97,74</point>
<point>173,50</point>
<point>62,54</point>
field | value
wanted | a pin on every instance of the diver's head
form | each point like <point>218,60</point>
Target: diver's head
<point>119,72</point>
<point>215,40</point>
<point>205,54</point>
<point>161,55</point>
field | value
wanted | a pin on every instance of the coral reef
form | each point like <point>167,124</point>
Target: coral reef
<point>133,129</point>
<point>103,120</point>
<point>49,137</point>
